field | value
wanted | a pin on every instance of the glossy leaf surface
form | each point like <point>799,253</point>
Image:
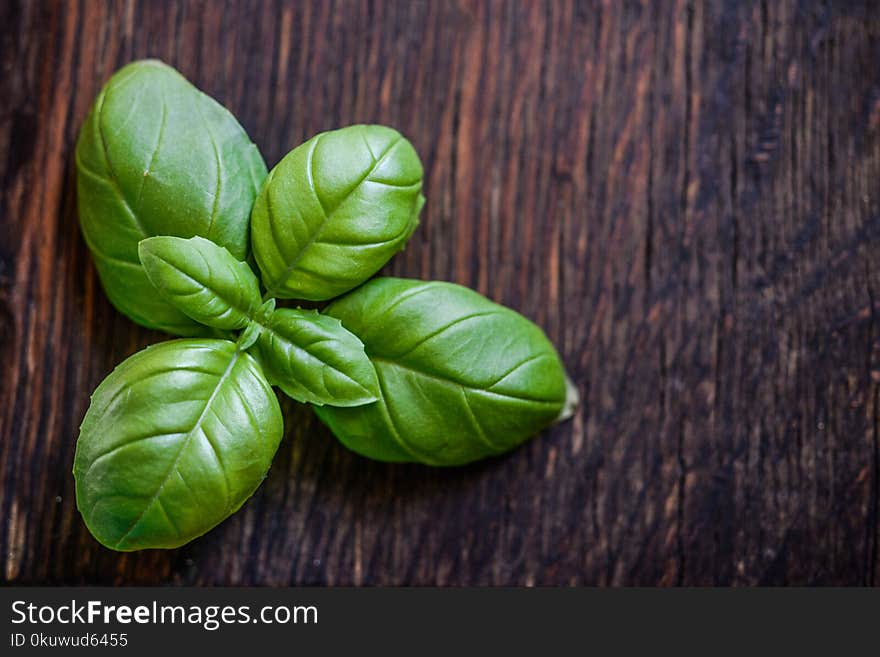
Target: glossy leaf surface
<point>312,358</point>
<point>460,377</point>
<point>334,210</point>
<point>176,438</point>
<point>156,156</point>
<point>202,280</point>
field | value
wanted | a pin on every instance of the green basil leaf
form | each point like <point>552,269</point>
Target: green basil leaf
<point>313,359</point>
<point>460,377</point>
<point>202,280</point>
<point>334,210</point>
<point>175,440</point>
<point>156,156</point>
<point>249,336</point>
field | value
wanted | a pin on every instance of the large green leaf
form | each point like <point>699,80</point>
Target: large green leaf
<point>176,438</point>
<point>460,377</point>
<point>202,280</point>
<point>313,359</point>
<point>155,156</point>
<point>334,210</point>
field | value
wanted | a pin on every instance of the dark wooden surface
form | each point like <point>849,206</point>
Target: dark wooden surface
<point>685,195</point>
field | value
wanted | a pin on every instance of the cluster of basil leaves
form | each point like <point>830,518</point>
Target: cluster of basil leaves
<point>179,212</point>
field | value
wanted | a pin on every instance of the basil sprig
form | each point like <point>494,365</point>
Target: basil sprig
<point>172,196</point>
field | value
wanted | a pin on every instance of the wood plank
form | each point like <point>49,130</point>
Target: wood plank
<point>685,195</point>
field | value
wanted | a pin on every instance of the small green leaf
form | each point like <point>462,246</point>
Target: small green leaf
<point>334,210</point>
<point>249,336</point>
<point>202,280</point>
<point>266,310</point>
<point>313,359</point>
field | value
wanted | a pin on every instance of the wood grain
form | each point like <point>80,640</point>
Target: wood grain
<point>685,195</point>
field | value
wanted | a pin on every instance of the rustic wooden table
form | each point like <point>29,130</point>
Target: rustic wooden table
<point>685,195</point>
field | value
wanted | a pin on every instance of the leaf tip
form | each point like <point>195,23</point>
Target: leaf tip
<point>572,401</point>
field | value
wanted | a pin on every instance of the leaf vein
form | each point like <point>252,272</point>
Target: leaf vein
<point>515,368</point>
<point>442,329</point>
<point>167,516</point>
<point>450,382</point>
<point>197,425</point>
<point>219,163</point>
<point>418,455</point>
<point>481,434</point>
<point>155,150</point>
<point>111,175</point>
<point>128,443</point>
<point>216,451</point>
<point>327,212</point>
